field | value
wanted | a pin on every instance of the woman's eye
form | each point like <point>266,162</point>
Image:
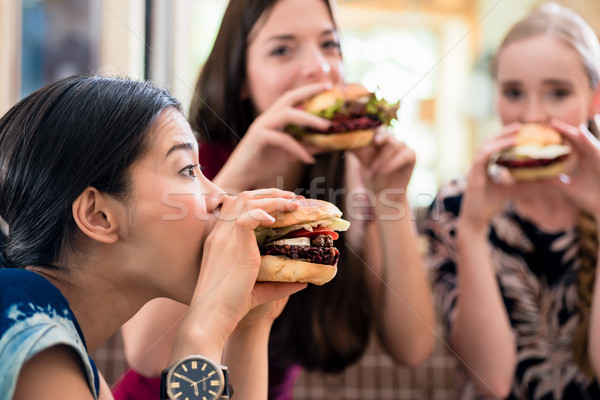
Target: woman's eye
<point>512,93</point>
<point>331,45</point>
<point>560,93</point>
<point>190,171</point>
<point>280,51</point>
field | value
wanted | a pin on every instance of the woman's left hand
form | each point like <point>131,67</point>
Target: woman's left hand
<point>582,184</point>
<point>386,164</point>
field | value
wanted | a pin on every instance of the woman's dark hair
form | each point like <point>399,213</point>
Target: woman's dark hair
<point>63,138</point>
<point>325,328</point>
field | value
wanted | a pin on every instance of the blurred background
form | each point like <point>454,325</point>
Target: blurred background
<point>433,55</point>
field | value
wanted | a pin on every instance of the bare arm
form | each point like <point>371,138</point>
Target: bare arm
<point>481,333</point>
<point>246,351</point>
<point>402,296</point>
<point>396,278</point>
<point>67,380</point>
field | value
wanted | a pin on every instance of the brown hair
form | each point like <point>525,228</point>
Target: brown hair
<point>555,20</point>
<point>325,328</point>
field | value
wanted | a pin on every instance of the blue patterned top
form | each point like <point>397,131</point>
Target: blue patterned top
<point>34,316</point>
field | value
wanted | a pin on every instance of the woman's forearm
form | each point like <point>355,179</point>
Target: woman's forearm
<point>481,334</point>
<point>246,357</point>
<point>403,310</point>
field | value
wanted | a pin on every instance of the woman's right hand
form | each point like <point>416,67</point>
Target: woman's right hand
<point>266,150</point>
<point>485,196</point>
<point>226,289</point>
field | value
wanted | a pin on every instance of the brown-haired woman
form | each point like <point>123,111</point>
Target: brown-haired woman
<point>267,58</point>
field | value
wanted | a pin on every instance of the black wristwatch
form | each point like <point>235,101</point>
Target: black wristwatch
<point>195,378</point>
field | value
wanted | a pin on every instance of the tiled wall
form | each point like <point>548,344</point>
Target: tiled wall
<point>376,377</point>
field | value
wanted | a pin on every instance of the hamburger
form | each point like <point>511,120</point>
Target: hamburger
<point>355,113</point>
<point>539,153</point>
<point>298,247</point>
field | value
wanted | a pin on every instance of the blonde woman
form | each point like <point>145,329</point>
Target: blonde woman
<point>513,264</point>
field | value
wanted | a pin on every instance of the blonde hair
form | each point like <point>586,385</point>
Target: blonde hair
<point>588,251</point>
<point>564,24</point>
<point>555,20</point>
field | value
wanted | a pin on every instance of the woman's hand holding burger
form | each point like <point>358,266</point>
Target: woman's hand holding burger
<point>266,151</point>
<point>582,182</point>
<point>485,195</point>
<point>226,288</point>
<point>386,164</point>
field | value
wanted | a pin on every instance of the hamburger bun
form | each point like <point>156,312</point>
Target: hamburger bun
<point>341,141</point>
<point>308,211</point>
<point>538,135</point>
<point>328,98</point>
<point>537,173</point>
<point>283,269</point>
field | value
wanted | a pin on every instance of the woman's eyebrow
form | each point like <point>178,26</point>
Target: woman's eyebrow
<point>282,37</point>
<point>180,146</point>
<point>329,32</point>
<point>564,82</point>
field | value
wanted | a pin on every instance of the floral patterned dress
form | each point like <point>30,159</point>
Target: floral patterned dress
<point>537,274</point>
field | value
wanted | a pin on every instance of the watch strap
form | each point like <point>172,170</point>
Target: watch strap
<point>163,384</point>
<point>228,389</point>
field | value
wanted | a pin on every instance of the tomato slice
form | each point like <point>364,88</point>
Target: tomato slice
<point>319,230</point>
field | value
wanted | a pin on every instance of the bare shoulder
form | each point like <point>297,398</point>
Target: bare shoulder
<point>55,373</point>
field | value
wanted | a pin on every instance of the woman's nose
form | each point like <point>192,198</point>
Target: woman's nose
<point>535,112</point>
<point>214,196</point>
<point>316,64</point>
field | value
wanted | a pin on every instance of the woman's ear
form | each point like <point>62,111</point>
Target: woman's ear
<point>95,214</point>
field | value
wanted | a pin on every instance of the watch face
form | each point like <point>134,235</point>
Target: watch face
<point>195,379</point>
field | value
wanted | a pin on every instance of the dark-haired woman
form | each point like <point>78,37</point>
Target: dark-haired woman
<point>107,209</point>
<point>268,57</point>
<point>514,263</point>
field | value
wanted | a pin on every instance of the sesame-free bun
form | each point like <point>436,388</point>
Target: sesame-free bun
<point>308,211</point>
<point>284,269</point>
<point>536,173</point>
<point>537,134</point>
<point>341,141</point>
<point>327,98</point>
